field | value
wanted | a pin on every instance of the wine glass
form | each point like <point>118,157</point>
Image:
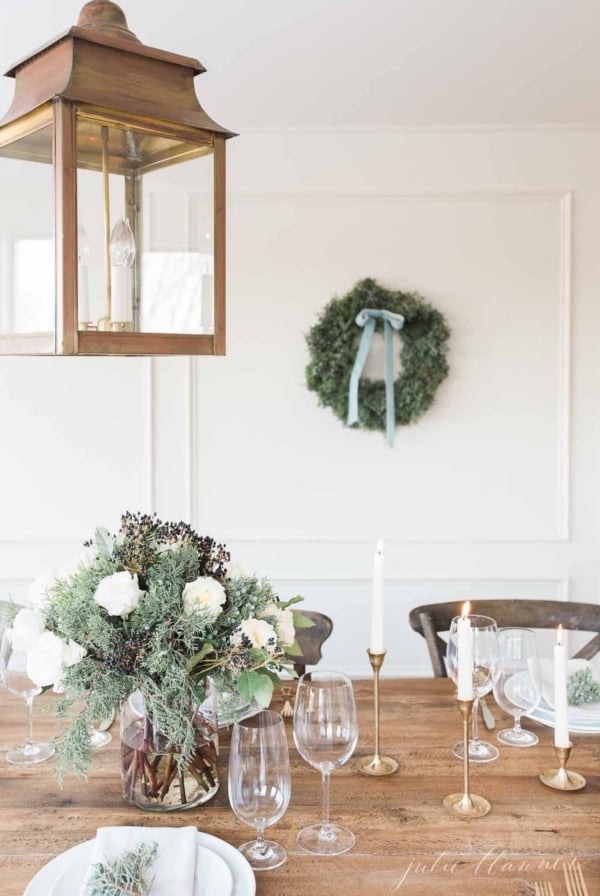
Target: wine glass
<point>517,685</point>
<point>15,679</point>
<point>325,734</point>
<point>484,638</point>
<point>260,783</point>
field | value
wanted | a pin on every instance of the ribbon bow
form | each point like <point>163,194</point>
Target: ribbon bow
<point>368,318</point>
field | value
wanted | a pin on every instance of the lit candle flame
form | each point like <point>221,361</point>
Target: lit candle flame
<point>466,610</point>
<point>559,632</point>
<point>380,546</point>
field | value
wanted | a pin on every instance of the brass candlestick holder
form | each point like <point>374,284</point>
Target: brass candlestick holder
<point>376,765</point>
<point>466,805</point>
<point>559,778</point>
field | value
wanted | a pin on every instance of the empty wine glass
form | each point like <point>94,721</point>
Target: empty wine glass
<point>325,734</point>
<point>260,783</point>
<point>517,685</point>
<point>484,639</point>
<point>15,679</point>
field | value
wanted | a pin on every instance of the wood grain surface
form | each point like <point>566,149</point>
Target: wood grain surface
<point>405,841</point>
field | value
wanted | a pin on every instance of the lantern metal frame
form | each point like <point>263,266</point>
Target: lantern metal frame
<point>98,72</point>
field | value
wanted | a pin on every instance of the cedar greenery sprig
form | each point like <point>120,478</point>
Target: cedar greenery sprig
<point>124,875</point>
<point>158,648</point>
<point>581,688</point>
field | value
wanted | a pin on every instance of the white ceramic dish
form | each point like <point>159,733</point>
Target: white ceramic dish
<point>64,875</point>
<point>576,725</point>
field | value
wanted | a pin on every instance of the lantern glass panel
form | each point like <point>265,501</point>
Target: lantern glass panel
<point>177,271</point>
<point>27,265</point>
<point>161,212</point>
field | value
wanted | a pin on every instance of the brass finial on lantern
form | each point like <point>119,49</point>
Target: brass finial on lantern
<point>103,15</point>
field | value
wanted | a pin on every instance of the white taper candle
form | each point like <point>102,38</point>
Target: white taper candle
<point>561,719</point>
<point>376,641</point>
<point>465,654</point>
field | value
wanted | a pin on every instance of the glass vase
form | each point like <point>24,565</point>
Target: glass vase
<point>153,777</point>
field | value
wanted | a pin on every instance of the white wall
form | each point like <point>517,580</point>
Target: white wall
<point>492,494</point>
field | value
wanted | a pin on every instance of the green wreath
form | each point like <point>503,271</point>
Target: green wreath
<point>333,343</point>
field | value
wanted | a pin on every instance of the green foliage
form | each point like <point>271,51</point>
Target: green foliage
<point>582,688</point>
<point>125,875</point>
<point>333,344</point>
<point>302,621</point>
<point>158,648</point>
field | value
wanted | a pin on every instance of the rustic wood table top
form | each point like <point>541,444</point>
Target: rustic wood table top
<point>405,841</point>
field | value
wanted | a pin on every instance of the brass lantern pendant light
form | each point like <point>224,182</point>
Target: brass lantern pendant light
<point>112,226</point>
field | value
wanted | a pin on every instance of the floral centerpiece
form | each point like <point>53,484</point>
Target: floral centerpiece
<point>144,620</point>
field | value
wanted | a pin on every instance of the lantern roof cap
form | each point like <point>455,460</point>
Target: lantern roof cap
<point>104,22</point>
<point>100,62</point>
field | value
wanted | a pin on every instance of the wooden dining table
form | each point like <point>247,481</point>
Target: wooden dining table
<point>406,842</point>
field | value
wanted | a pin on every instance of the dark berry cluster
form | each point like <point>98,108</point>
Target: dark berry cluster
<point>126,655</point>
<point>143,535</point>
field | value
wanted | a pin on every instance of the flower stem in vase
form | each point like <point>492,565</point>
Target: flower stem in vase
<point>154,775</point>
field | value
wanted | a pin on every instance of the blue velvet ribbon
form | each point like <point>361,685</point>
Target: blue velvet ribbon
<point>368,318</point>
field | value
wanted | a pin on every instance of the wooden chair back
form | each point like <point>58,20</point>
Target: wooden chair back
<point>430,619</point>
<point>311,640</point>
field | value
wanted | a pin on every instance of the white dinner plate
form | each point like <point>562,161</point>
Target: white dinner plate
<point>576,725</point>
<point>75,861</point>
<point>213,876</point>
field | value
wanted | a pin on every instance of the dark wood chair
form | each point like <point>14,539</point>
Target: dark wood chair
<point>311,640</point>
<point>430,619</point>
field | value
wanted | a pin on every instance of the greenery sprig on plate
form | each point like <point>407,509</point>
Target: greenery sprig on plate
<point>125,875</point>
<point>333,343</point>
<point>582,688</point>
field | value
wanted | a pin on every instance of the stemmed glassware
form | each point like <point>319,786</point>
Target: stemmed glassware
<point>325,734</point>
<point>517,686</point>
<point>260,783</point>
<point>14,678</point>
<point>485,633</point>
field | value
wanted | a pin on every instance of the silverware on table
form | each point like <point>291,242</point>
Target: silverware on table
<point>488,716</point>
<point>543,888</point>
<point>288,707</point>
<point>575,880</point>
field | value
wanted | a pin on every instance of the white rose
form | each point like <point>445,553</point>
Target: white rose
<point>27,627</point>
<point>37,593</point>
<point>72,653</point>
<point>83,560</point>
<point>48,658</point>
<point>258,632</point>
<point>119,594</point>
<point>204,593</point>
<point>284,623</point>
<point>235,571</point>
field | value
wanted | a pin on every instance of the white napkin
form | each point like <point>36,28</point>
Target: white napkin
<point>175,867</point>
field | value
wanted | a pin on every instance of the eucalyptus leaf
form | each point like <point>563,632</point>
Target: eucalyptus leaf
<point>284,604</point>
<point>104,542</point>
<point>302,621</point>
<point>248,684</point>
<point>264,691</point>
<point>294,649</point>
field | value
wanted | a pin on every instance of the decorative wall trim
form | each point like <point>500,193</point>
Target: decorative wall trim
<point>564,368</point>
<point>343,197</point>
<point>369,130</point>
<point>564,204</point>
<point>192,436</point>
<point>148,473</point>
